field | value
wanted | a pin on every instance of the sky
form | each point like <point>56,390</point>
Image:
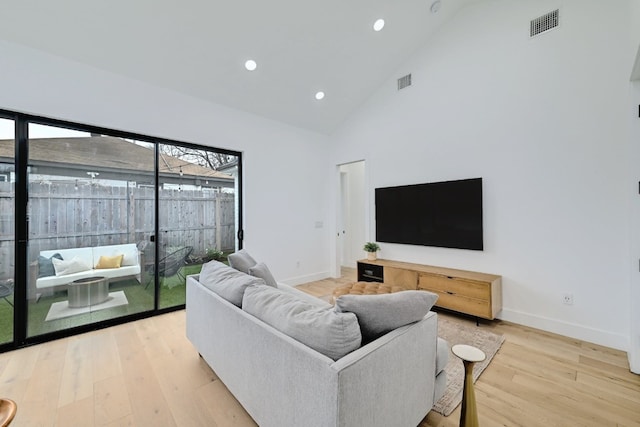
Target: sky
<point>37,131</point>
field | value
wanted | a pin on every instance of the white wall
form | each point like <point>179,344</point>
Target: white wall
<point>544,122</point>
<point>285,170</point>
<point>634,172</point>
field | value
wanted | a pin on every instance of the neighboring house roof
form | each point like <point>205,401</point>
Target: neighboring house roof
<point>112,157</point>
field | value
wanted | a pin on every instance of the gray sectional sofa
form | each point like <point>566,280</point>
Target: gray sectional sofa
<point>393,380</point>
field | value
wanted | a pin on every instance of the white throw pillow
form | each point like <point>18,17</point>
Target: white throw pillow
<point>74,265</point>
<point>130,257</point>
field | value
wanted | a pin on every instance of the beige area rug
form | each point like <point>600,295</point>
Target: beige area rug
<point>463,333</point>
<point>61,309</point>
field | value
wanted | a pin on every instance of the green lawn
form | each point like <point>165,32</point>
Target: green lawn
<point>172,293</point>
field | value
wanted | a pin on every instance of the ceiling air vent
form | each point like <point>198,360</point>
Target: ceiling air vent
<point>404,81</point>
<point>544,23</point>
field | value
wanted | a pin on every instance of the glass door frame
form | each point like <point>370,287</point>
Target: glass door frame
<point>21,273</point>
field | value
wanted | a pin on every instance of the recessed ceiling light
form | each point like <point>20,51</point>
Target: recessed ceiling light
<point>378,25</point>
<point>250,65</point>
<point>319,95</point>
<point>435,6</point>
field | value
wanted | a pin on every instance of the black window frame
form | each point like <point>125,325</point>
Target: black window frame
<point>21,121</point>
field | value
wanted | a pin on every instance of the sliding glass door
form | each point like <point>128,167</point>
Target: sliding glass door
<point>7,229</point>
<point>99,227</point>
<point>196,214</point>
<point>91,216</point>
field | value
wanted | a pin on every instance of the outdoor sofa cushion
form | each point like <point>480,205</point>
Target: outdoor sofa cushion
<point>321,328</point>
<point>380,314</point>
<point>70,266</point>
<point>109,261</point>
<point>45,265</point>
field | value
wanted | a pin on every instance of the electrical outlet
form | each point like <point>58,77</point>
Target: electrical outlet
<point>297,264</point>
<point>567,299</point>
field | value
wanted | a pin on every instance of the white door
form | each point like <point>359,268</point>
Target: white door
<point>351,233</point>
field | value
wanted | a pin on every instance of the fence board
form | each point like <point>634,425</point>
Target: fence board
<point>63,215</point>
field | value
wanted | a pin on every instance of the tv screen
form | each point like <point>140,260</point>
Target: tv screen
<point>444,214</point>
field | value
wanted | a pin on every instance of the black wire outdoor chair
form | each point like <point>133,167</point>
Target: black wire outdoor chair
<point>171,264</point>
<point>6,290</point>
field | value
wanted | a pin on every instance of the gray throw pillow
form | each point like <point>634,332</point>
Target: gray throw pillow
<point>262,271</point>
<point>45,265</point>
<point>241,261</point>
<point>227,282</point>
<point>379,314</point>
<point>320,328</point>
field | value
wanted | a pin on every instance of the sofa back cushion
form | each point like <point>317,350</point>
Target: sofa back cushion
<point>227,282</point>
<point>241,261</point>
<point>320,328</point>
<point>379,314</point>
<point>262,271</point>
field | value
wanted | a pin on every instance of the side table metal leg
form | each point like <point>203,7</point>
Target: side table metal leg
<point>469,412</point>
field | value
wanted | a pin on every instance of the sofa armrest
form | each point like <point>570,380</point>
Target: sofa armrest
<point>397,369</point>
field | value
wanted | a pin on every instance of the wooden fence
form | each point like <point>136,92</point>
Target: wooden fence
<point>63,215</point>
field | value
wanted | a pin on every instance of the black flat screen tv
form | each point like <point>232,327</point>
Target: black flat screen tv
<point>443,214</point>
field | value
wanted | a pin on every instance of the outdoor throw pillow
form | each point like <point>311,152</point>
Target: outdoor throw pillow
<point>379,314</point>
<point>45,265</point>
<point>74,265</point>
<point>320,328</point>
<point>130,257</point>
<point>227,282</point>
<point>241,261</point>
<point>110,261</point>
<point>262,271</point>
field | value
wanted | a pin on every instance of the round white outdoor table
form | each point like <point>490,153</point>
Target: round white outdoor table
<point>469,356</point>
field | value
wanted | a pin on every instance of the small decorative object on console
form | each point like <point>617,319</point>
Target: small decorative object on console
<point>371,248</point>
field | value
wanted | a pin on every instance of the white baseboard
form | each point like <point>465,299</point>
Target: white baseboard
<point>298,280</point>
<point>596,336</point>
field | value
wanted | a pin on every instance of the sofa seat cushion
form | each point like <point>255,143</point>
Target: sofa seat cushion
<point>320,328</point>
<point>227,282</point>
<point>379,314</point>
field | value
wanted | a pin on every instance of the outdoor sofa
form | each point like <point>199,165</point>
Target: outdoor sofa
<point>393,380</point>
<point>49,272</point>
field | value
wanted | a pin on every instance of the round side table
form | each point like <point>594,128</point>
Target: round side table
<point>469,356</point>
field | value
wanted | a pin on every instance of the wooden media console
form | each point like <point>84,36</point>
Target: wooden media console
<point>468,292</point>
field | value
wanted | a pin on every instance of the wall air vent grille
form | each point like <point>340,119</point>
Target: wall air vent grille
<point>544,23</point>
<point>404,81</point>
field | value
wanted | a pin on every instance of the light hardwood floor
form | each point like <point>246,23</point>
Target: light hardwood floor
<point>147,373</point>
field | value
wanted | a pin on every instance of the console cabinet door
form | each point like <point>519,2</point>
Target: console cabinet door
<point>462,295</point>
<point>400,277</point>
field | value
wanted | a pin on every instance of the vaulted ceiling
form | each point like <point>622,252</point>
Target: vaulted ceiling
<point>199,47</point>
